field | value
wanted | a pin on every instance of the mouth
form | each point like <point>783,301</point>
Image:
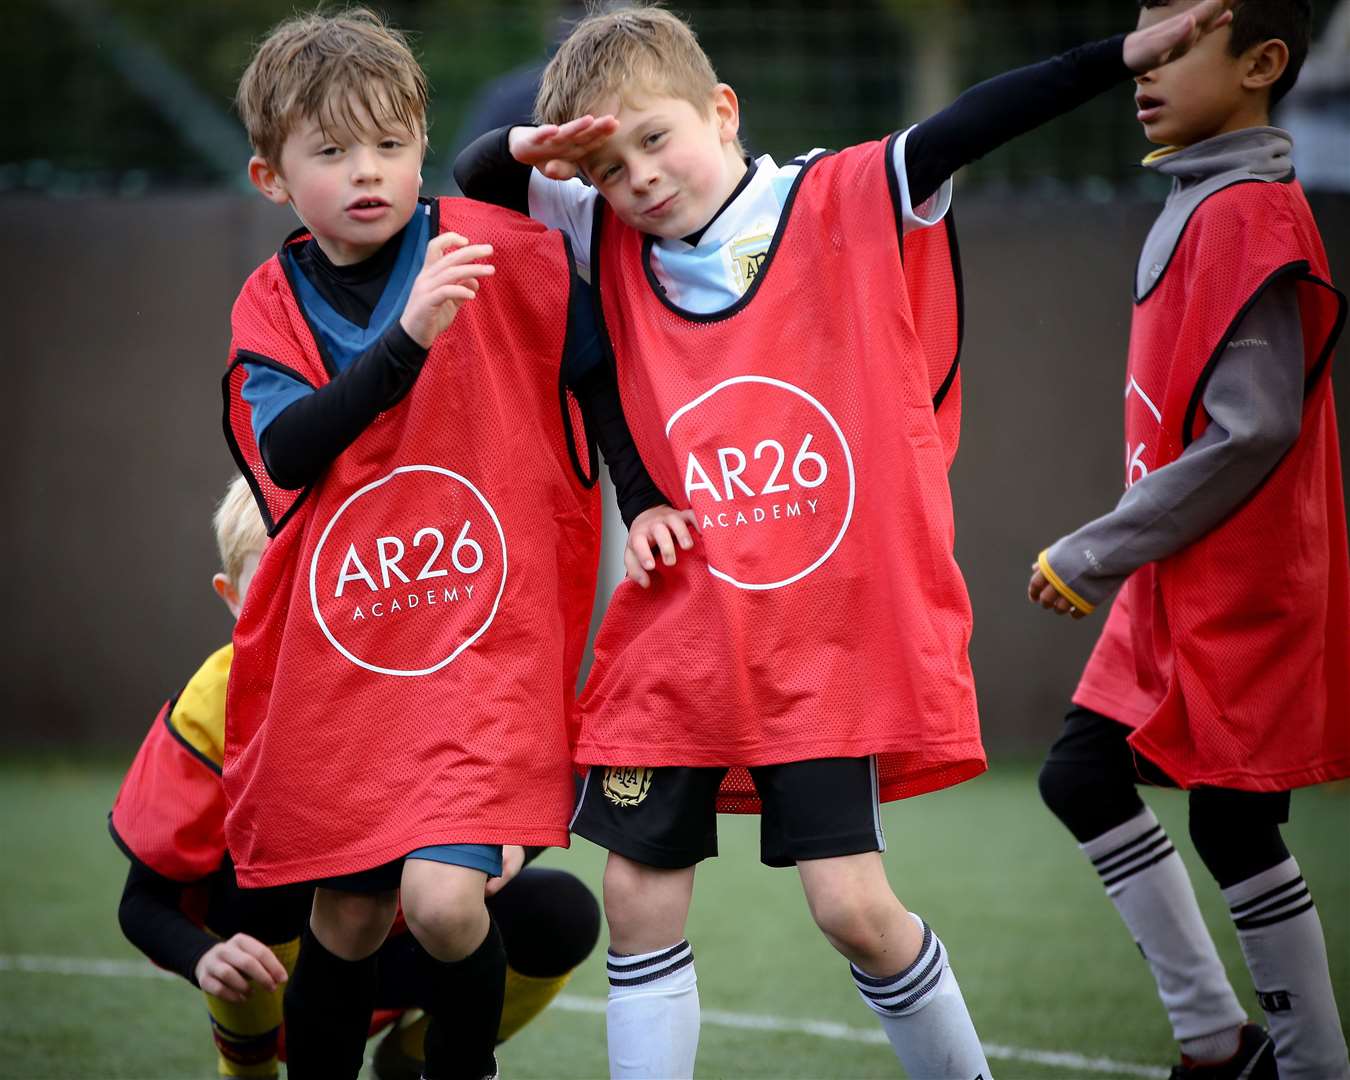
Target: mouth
<point>367,207</point>
<point>1150,108</point>
<point>659,209</point>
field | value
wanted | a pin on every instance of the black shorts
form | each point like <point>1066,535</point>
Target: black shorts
<point>667,816</point>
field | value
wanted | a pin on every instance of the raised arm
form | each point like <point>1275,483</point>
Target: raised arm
<point>998,110</point>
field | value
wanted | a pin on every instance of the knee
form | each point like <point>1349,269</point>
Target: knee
<point>449,924</point>
<point>1234,838</point>
<point>855,923</point>
<point>1086,799</point>
<point>352,925</point>
<point>1064,788</point>
<point>645,905</point>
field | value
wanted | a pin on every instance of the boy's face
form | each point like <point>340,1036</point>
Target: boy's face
<point>669,167</point>
<point>352,189</point>
<point>1198,95</point>
<point>234,592</point>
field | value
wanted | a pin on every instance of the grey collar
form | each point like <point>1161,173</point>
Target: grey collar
<point>1197,173</point>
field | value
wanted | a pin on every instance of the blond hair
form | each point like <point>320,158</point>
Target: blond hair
<point>624,51</point>
<point>239,528</point>
<point>338,70</point>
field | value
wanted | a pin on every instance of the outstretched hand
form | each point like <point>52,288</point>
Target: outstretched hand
<point>1172,38</point>
<point>557,150</point>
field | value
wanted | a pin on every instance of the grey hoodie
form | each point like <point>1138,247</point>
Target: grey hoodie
<point>1254,397</point>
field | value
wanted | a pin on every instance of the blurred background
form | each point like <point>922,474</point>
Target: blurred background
<point>128,227</point>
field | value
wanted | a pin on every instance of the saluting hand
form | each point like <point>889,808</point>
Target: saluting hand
<point>557,150</point>
<point>450,276</point>
<point>1172,38</point>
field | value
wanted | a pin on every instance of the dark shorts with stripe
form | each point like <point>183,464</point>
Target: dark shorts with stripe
<point>667,816</point>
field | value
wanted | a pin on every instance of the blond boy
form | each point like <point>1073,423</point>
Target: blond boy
<point>775,355</point>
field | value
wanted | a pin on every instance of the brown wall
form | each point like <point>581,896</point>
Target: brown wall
<point>117,317</point>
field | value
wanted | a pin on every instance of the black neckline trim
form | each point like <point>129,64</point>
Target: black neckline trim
<point>784,220</point>
<point>750,169</point>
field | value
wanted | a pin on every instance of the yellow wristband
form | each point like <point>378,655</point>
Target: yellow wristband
<point>1063,590</point>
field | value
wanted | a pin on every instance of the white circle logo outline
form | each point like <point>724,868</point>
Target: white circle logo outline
<point>314,569</point>
<point>848,460</point>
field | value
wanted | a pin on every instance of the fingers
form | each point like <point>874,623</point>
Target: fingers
<point>659,535</point>
<point>632,568</point>
<point>273,967</point>
<point>558,169</point>
<point>494,885</point>
<point>680,527</point>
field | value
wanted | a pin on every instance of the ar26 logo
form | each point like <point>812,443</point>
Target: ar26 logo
<point>403,593</point>
<point>768,472</point>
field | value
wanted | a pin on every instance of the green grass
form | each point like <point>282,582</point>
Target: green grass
<point>1044,962</point>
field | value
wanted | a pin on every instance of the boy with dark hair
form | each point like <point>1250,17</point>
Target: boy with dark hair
<point>183,908</point>
<point>403,678</point>
<point>785,343</point>
<point>1224,667</point>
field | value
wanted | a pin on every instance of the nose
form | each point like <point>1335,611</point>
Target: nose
<point>644,178</point>
<point>365,166</point>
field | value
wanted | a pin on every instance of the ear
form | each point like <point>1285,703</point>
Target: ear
<point>727,112</point>
<point>1264,64</point>
<point>226,590</point>
<point>267,179</point>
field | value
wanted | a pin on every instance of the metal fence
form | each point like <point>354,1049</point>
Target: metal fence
<point>134,95</point>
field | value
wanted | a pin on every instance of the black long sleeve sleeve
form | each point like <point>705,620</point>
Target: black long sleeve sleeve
<point>485,170</point>
<point>153,921</point>
<point>310,433</point>
<point>999,109</point>
<point>591,377</point>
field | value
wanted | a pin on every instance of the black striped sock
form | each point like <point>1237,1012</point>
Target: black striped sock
<point>1127,850</point>
<point>908,991</point>
<point>626,972</point>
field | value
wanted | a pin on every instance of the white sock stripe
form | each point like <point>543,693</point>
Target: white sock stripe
<point>1127,850</point>
<point>647,967</point>
<point>1136,853</point>
<point>900,995</point>
<point>1277,875</point>
<point>1103,845</point>
<point>634,979</point>
<point>1258,919</point>
<point>1245,907</point>
<point>897,1004</point>
<point>1151,859</point>
<point>930,951</point>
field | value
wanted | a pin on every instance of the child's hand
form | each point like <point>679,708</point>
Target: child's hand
<point>230,968</point>
<point>449,277</point>
<point>556,151</point>
<point>660,528</point>
<point>1041,591</point>
<point>513,861</point>
<point>1172,38</point>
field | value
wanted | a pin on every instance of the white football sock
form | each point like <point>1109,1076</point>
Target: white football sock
<point>1145,879</point>
<point>924,1016</point>
<point>1281,938</point>
<point>653,1015</point>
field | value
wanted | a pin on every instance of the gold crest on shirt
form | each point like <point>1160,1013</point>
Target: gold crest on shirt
<point>748,254</point>
<point>626,785</point>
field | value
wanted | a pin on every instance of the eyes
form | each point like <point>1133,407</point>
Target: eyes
<point>389,144</point>
<point>649,142</point>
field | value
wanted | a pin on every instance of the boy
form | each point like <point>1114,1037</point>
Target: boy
<point>780,368</point>
<point>182,906</point>
<point>1224,665</point>
<point>398,706</point>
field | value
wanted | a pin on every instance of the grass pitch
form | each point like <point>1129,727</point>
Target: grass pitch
<point>1044,962</point>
